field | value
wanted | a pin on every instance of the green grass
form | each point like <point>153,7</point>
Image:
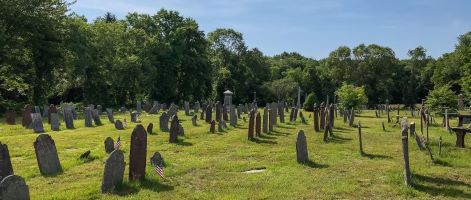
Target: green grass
<point>209,166</point>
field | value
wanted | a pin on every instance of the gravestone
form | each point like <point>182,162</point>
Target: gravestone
<point>46,155</point>
<point>303,120</point>
<point>209,114</point>
<point>220,126</point>
<point>157,160</point>
<point>14,187</point>
<point>225,117</point>
<point>118,125</point>
<point>51,109</point>
<point>164,106</point>
<point>250,133</point>
<point>26,116</point>
<point>109,145</point>
<point>224,124</point>
<point>316,118</point>
<point>197,107</point>
<point>281,112</point>
<point>138,154</point>
<point>212,127</point>
<point>233,116</point>
<point>138,107</point>
<point>322,116</point>
<point>37,109</point>
<point>271,120</point>
<point>265,120</point>
<point>291,115</point>
<point>173,130</point>
<point>88,117</point>
<point>45,111</point>
<point>149,128</point>
<point>155,108</point>
<point>202,115</point>
<point>218,111</point>
<point>100,109</point>
<point>109,113</point>
<point>164,122</point>
<point>37,123</point>
<point>85,155</point>
<point>113,172</point>
<point>187,108</point>
<point>258,125</point>
<point>68,118</point>
<point>301,148</point>
<point>274,107</point>
<point>55,124</point>
<point>172,110</point>
<point>181,131</point>
<point>5,161</point>
<point>239,110</point>
<point>10,116</point>
<point>193,120</point>
<point>134,116</point>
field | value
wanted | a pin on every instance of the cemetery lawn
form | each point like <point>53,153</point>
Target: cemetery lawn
<point>209,166</point>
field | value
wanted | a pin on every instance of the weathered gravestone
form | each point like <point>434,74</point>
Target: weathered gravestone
<point>250,134</point>
<point>46,155</point>
<point>155,108</point>
<point>301,148</point>
<point>233,116</point>
<point>45,111</point>
<point>14,187</point>
<point>37,123</point>
<point>109,145</point>
<point>281,112</point>
<point>138,106</point>
<point>220,126</point>
<point>118,125</point>
<point>37,109</point>
<point>88,117</point>
<point>172,110</point>
<point>272,119</point>
<point>26,116</point>
<point>218,111</point>
<point>138,154</point>
<point>197,107</point>
<point>209,114</point>
<point>322,115</point>
<point>265,120</point>
<point>316,118</point>
<point>10,116</point>
<point>114,172</point>
<point>5,161</point>
<point>157,160</point>
<point>164,122</point>
<point>186,106</point>
<point>85,155</point>
<point>174,130</point>
<point>134,116</point>
<point>55,124</point>
<point>212,127</point>
<point>68,117</point>
<point>109,113</point>
<point>193,120</point>
<point>303,120</point>
<point>150,127</point>
<point>258,125</point>
<point>274,108</point>
<point>225,117</point>
<point>52,109</point>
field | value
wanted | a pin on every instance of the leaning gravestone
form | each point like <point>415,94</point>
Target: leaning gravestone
<point>164,122</point>
<point>150,127</point>
<point>109,113</point>
<point>14,187</point>
<point>26,116</point>
<point>114,172</point>
<point>109,145</point>
<point>88,117</point>
<point>119,125</point>
<point>172,110</point>
<point>10,117</point>
<point>55,122</point>
<point>37,123</point>
<point>301,148</point>
<point>5,162</point>
<point>46,155</point>
<point>138,154</point>
<point>174,129</point>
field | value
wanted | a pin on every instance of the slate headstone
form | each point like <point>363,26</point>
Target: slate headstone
<point>109,113</point>
<point>174,130</point>
<point>46,155</point>
<point>164,122</point>
<point>118,125</point>
<point>5,161</point>
<point>14,187</point>
<point>138,154</point>
<point>258,125</point>
<point>26,116</point>
<point>109,145</point>
<point>301,148</point>
<point>37,123</point>
<point>209,114</point>
<point>68,118</point>
<point>88,117</point>
<point>193,120</point>
<point>113,172</point>
<point>55,124</point>
<point>250,131</point>
<point>10,116</point>
<point>212,127</point>
<point>265,120</point>
<point>157,160</point>
<point>150,127</point>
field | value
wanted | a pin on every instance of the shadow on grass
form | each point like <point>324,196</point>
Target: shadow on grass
<point>442,163</point>
<point>182,142</point>
<point>156,186</point>
<point>126,189</point>
<point>53,174</point>
<point>338,139</point>
<point>275,132</point>
<point>264,136</point>
<point>437,190</point>
<point>285,127</point>
<point>260,141</point>
<point>375,156</point>
<point>88,159</point>
<point>313,164</point>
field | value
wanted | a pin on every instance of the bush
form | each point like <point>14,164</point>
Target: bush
<point>310,101</point>
<point>351,96</point>
<point>441,97</point>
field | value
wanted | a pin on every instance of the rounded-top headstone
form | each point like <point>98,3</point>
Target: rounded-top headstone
<point>109,145</point>
<point>5,162</point>
<point>46,155</point>
<point>137,163</point>
<point>114,172</point>
<point>301,148</point>
<point>157,159</point>
<point>14,187</point>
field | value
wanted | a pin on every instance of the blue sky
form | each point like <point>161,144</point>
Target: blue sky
<point>315,27</point>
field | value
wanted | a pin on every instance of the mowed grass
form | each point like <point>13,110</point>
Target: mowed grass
<point>209,166</point>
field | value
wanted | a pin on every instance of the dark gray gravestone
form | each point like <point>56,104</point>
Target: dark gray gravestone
<point>26,116</point>
<point>303,120</point>
<point>322,116</point>
<point>55,122</point>
<point>45,111</point>
<point>14,187</point>
<point>197,107</point>
<point>265,120</point>
<point>134,116</point>
<point>193,120</point>
<point>68,117</point>
<point>164,122</point>
<point>224,124</point>
<point>139,107</point>
<point>233,116</point>
<point>316,118</point>
<point>118,125</point>
<point>274,108</point>
<point>209,114</point>
<point>5,162</point>
<point>138,154</point>
<point>172,110</point>
<point>218,111</point>
<point>212,127</point>
<point>157,160</point>
<point>225,117</point>
<point>51,109</point>
<point>37,109</point>
<point>301,148</point>
<point>109,145</point>
<point>150,128</point>
<point>258,125</point>
<point>187,108</point>
<point>109,113</point>
<point>181,131</point>
<point>250,134</point>
<point>46,155</point>
<point>37,123</point>
<point>202,115</point>
<point>220,126</point>
<point>272,119</point>
<point>174,129</point>
<point>114,172</point>
<point>281,112</point>
<point>10,116</point>
<point>88,117</point>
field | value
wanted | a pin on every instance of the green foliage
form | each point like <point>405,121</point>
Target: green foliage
<point>442,97</point>
<point>310,101</point>
<point>351,96</point>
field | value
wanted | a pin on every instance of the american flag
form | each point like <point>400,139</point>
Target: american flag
<point>159,170</point>
<point>118,143</point>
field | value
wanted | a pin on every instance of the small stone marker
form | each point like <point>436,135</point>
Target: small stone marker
<point>46,155</point>
<point>212,127</point>
<point>138,154</point>
<point>14,187</point>
<point>55,122</point>
<point>118,125</point>
<point>181,131</point>
<point>114,172</point>
<point>157,160</point>
<point>5,161</point>
<point>174,130</point>
<point>37,123</point>
<point>164,122</point>
<point>134,116</point>
<point>193,120</point>
<point>109,145</point>
<point>301,148</point>
<point>85,155</point>
<point>149,128</point>
<point>10,116</point>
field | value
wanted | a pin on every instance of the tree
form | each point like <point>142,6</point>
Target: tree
<point>310,101</point>
<point>351,96</point>
<point>441,97</point>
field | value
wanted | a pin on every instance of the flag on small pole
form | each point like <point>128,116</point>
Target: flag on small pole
<point>118,143</point>
<point>160,170</point>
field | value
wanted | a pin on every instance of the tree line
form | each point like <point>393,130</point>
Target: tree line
<point>49,54</point>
